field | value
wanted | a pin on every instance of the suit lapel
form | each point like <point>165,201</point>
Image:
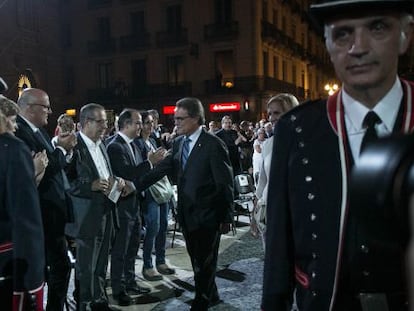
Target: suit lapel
<point>86,157</point>
<point>138,155</point>
<point>126,149</point>
<point>42,138</point>
<point>105,154</point>
<point>195,151</point>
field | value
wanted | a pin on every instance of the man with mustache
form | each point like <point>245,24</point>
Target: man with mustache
<point>317,243</point>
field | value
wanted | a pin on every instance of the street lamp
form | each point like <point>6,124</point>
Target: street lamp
<point>331,88</point>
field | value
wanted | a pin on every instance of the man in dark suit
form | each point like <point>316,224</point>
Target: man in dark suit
<point>22,257</point>
<point>232,139</point>
<point>92,185</point>
<point>199,163</point>
<point>126,162</point>
<point>56,209</point>
<point>335,255</point>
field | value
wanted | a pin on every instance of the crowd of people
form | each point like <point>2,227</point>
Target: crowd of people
<point>97,189</point>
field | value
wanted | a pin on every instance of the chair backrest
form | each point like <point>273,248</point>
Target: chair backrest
<point>244,183</point>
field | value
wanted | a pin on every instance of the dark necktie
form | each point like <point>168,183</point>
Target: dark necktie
<point>370,120</point>
<point>134,152</point>
<point>186,152</point>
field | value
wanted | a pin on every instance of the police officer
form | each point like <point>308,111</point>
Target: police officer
<point>333,255</point>
<point>22,262</point>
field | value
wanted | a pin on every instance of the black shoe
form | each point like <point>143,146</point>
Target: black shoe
<point>199,305</point>
<point>146,299</point>
<point>135,289</point>
<point>102,306</point>
<point>214,302</point>
<point>123,299</point>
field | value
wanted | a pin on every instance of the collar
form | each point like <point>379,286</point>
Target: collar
<point>32,126</point>
<point>126,138</point>
<point>89,142</point>
<point>386,109</point>
<point>195,135</point>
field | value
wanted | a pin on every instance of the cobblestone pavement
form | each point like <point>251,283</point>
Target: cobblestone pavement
<point>239,276</point>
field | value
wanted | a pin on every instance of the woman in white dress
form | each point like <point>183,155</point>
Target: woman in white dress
<point>257,153</point>
<point>276,107</point>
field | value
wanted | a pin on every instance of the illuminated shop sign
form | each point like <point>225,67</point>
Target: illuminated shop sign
<point>225,107</point>
<point>168,109</point>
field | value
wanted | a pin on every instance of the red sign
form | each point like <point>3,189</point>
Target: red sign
<point>168,109</point>
<point>225,107</point>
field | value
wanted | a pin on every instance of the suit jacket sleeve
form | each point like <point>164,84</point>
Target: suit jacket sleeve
<point>223,178</point>
<point>80,172</point>
<point>57,160</point>
<point>27,230</point>
<point>121,163</point>
<point>279,261</point>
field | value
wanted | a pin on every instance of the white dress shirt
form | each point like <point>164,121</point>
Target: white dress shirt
<point>355,112</point>
<point>97,156</point>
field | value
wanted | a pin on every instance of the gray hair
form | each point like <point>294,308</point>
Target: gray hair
<point>194,108</point>
<point>87,112</point>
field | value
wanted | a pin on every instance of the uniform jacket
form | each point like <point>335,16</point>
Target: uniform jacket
<point>314,236</point>
<point>205,186</point>
<point>89,204</point>
<point>21,229</point>
<point>53,198</point>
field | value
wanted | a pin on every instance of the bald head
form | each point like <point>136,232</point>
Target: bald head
<point>35,106</point>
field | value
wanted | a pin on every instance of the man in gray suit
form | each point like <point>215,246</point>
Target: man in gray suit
<point>200,165</point>
<point>92,185</point>
<point>126,162</point>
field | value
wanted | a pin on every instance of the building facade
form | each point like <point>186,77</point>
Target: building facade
<point>232,54</point>
<point>30,47</point>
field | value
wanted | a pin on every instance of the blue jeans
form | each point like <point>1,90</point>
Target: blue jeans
<point>156,223</point>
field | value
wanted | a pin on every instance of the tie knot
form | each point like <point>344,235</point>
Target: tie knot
<point>370,120</point>
<point>187,140</point>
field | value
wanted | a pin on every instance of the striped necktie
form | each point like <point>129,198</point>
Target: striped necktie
<point>186,152</point>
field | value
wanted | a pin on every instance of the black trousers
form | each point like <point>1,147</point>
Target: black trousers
<point>6,294</point>
<point>202,246</point>
<point>354,302</point>
<point>57,260</point>
<point>58,271</point>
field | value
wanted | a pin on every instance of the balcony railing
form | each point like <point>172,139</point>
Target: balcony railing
<point>101,94</point>
<point>221,31</point>
<point>273,35</point>
<point>131,1</point>
<point>94,4</point>
<point>161,90</point>
<point>100,47</point>
<point>166,39</point>
<point>251,84</point>
<point>134,42</point>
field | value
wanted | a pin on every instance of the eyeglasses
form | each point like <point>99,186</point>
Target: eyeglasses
<point>48,108</point>
<point>180,119</point>
<point>149,122</point>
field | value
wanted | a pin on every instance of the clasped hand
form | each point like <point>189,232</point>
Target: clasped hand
<point>67,140</point>
<point>156,156</point>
